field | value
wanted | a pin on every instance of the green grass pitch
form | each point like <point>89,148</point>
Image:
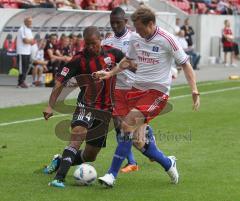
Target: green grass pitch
<point>206,143</point>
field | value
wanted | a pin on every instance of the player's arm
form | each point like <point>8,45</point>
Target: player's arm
<point>26,40</point>
<point>124,64</point>
<point>72,69</point>
<point>183,60</point>
<point>191,78</point>
<point>48,112</point>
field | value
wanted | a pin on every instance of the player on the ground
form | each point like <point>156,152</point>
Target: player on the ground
<point>120,40</point>
<point>153,51</point>
<point>93,112</point>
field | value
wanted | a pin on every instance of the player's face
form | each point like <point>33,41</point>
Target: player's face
<point>93,44</point>
<point>28,22</point>
<point>118,23</point>
<point>143,30</point>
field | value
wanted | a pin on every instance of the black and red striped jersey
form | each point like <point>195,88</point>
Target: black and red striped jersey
<point>94,93</point>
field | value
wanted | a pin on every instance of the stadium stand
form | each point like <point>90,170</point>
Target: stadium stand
<point>217,7</point>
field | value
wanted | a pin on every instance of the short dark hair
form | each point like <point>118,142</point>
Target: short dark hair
<point>91,30</point>
<point>118,11</point>
<point>145,15</point>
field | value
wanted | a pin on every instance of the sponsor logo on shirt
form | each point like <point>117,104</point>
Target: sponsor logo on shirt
<point>65,71</point>
<point>108,61</point>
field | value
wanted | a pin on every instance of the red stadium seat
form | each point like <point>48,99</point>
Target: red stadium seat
<point>201,8</point>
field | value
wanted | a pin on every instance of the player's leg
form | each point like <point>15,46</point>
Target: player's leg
<point>130,123</point>
<point>83,119</point>
<point>121,109</point>
<point>150,106</point>
<point>88,154</point>
<point>34,74</point>
<point>131,162</point>
<point>68,156</point>
<point>95,140</point>
<point>40,72</point>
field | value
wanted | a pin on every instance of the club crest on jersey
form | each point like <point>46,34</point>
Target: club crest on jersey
<point>65,71</point>
<point>108,61</point>
<point>126,43</point>
<point>155,49</point>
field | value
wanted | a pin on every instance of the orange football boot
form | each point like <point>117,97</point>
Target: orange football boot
<point>130,168</point>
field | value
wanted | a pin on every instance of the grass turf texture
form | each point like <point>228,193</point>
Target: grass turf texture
<point>206,144</point>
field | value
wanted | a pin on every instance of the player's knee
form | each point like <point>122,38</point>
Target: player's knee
<point>79,130</point>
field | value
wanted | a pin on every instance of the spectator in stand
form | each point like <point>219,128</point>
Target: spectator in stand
<point>47,4</point>
<point>39,64</point>
<point>80,43</point>
<point>65,50</point>
<point>188,32</point>
<point>10,46</point>
<point>125,5</point>
<point>177,26</point>
<point>228,43</point>
<point>194,57</point>
<point>67,4</point>
<point>89,5</point>
<point>108,34</point>
<point>223,7</point>
<point>77,45</point>
<point>112,5</point>
<point>24,42</point>
<point>53,55</point>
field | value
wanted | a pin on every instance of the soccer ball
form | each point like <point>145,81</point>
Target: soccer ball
<point>85,174</point>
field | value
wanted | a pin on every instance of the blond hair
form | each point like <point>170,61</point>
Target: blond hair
<point>145,15</point>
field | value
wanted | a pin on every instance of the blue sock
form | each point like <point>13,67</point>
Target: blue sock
<point>130,156</point>
<point>122,150</point>
<point>151,151</point>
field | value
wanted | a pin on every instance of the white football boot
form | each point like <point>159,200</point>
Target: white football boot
<point>107,180</point>
<point>172,172</point>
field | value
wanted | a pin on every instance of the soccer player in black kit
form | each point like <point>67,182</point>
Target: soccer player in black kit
<point>94,106</point>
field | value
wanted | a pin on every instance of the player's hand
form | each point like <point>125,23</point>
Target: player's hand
<point>196,100</point>
<point>67,59</point>
<point>128,64</point>
<point>47,113</point>
<point>102,75</point>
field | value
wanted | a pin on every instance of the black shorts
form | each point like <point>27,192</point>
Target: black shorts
<point>95,121</point>
<point>227,49</point>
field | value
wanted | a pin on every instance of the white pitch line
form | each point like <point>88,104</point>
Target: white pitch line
<point>201,84</point>
<point>207,92</point>
<point>30,120</point>
<point>171,98</point>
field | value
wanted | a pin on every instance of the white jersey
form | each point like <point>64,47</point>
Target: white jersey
<point>23,48</point>
<point>124,79</point>
<point>154,58</point>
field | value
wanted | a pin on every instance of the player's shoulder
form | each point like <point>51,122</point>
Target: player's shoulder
<point>110,49</point>
<point>162,33</point>
<point>134,36</point>
<point>166,37</point>
<point>77,57</point>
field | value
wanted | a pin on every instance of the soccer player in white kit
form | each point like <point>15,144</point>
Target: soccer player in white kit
<point>124,82</point>
<point>120,40</point>
<point>153,50</point>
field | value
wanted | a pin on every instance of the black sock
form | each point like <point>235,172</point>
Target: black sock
<point>79,159</point>
<point>68,157</point>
